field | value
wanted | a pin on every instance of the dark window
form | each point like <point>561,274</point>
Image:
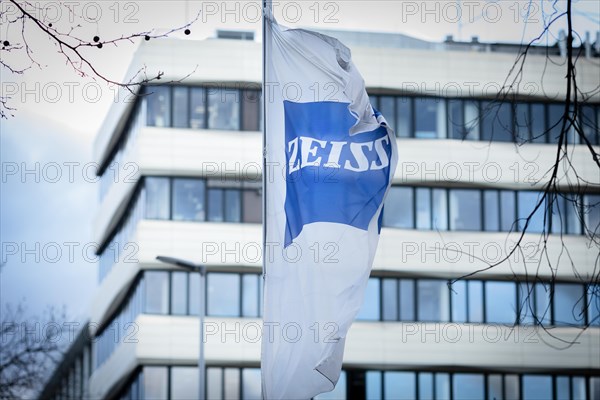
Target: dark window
<point>404,117</point>
<point>590,121</point>
<point>508,210</point>
<point>181,107</point>
<point>188,199</point>
<point>432,300</point>
<point>555,114</point>
<point>158,110</point>
<point>496,122</point>
<point>568,304</point>
<point>233,205</point>
<point>429,117</point>
<point>407,300</point>
<point>157,198</point>
<point>198,108</point>
<point>542,303</point>
<point>223,294</point>
<point>398,210</point>
<point>538,123</point>
<point>593,299</point>
<point>215,205</point>
<point>250,110</point>
<point>390,299</point>
<point>491,221</point>
<point>252,206</point>
<point>223,109</point>
<point>522,122</point>
<point>456,120</point>
<point>465,210</point>
<point>591,214</point>
<point>387,109</point>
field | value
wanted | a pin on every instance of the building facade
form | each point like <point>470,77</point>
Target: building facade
<point>181,176</point>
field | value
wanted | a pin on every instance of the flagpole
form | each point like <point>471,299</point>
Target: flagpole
<point>266,6</point>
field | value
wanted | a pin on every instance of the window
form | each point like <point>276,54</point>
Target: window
<point>404,114</point>
<point>591,213</point>
<point>508,210</point>
<point>215,205</point>
<point>179,293</point>
<point>251,384</point>
<point>155,383</point>
<point>373,385</point>
<point>157,292</point>
<point>158,101</point>
<point>370,306</point>
<point>537,387</point>
<point>231,387</point>
<point>194,293</point>
<point>568,303</point>
<point>496,122</point>
<point>157,198</point>
<point>495,387</point>
<point>425,385</point>
<point>398,209</point>
<point>184,383</point>
<point>527,202</point>
<point>223,294</point>
<point>188,199</point>
<point>491,221</point>
<point>432,300</point>
<point>407,300</point>
<point>475,312</point>
<point>233,206</point>
<point>250,297</point>
<point>593,301</point>
<point>390,299</point>
<point>251,101</point>
<point>223,109</point>
<point>472,120</point>
<point>399,385</point>
<point>459,301</point>
<point>214,383</point>
<point>555,114</point>
<point>429,118</point>
<point>468,387</point>
<point>423,205</point>
<point>538,123</point>
<point>197,108</point>
<point>252,206</point>
<point>465,206</point>
<point>542,303</point>
<point>456,120</point>
<point>387,109</point>
<point>522,122</point>
<point>440,209</point>
<point>500,302</point>
<point>181,106</point>
<point>590,121</point>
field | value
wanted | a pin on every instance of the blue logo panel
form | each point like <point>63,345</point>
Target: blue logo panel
<point>330,175</point>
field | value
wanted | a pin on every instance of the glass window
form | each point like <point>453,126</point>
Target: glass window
<point>475,289</point>
<point>188,199</point>
<point>578,388</point>
<point>197,108</point>
<point>214,383</point>
<point>573,205</point>
<point>491,206</point>
<point>423,206</point>
<point>527,201</point>
<point>399,385</point>
<point>495,387</point>
<point>500,302</point>
<point>456,120</point>
<point>558,213</point>
<point>472,120</point>
<point>184,383</point>
<point>180,106</point>
<point>398,210</point>
<point>591,214</point>
<point>593,304</point>
<point>155,383</point>
<point>252,206</point>
<point>537,387</point>
<point>390,299</point>
<point>373,385</point>
<point>442,386</point>
<point>251,384</point>
<point>232,384</point>
<point>563,388</point>
<point>555,114</point>
<point>542,303</point>
<point>526,302</point>
<point>468,386</point>
<point>496,122</point>
<point>233,205</point>
<point>387,109</point>
<point>179,294</point>
<point>590,123</point>
<point>158,110</point>
<point>508,210</point>
<point>432,300</point>
<point>511,386</point>
<point>595,387</point>
<point>374,101</point>
<point>370,306</point>
<point>459,301</point>
<point>440,209</point>
<point>538,123</point>
<point>194,293</point>
<point>250,110</point>
<point>223,109</point>
<point>465,209</point>
<point>429,117</point>
<point>339,392</point>
<point>426,385</point>
<point>568,304</point>
<point>404,117</point>
<point>522,122</point>
<point>157,197</point>
<point>407,300</point>
<point>223,294</point>
<point>250,297</point>
<point>157,292</point>
<point>215,205</point>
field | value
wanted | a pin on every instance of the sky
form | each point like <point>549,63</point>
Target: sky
<point>46,215</point>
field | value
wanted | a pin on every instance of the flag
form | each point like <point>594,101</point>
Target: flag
<point>330,159</point>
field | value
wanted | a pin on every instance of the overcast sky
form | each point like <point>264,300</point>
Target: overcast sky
<point>58,113</point>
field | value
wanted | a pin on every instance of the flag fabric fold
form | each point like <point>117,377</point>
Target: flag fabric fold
<point>330,159</point>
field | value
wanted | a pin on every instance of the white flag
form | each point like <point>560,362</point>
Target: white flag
<point>330,161</point>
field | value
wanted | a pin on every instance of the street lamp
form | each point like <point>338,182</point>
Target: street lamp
<point>201,269</point>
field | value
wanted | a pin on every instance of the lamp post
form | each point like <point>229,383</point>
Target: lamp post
<point>201,269</point>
